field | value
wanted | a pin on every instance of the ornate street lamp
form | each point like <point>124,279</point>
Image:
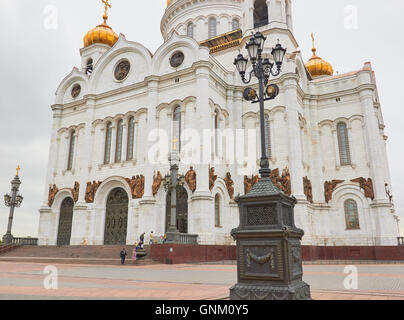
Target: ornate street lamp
<point>269,264</point>
<point>12,201</point>
<point>262,69</point>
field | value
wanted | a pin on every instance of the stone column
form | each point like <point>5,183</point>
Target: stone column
<point>202,200</point>
<point>113,143</point>
<point>124,141</point>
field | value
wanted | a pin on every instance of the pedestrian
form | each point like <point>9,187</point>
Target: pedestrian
<point>141,240</point>
<point>165,238</point>
<point>134,254</point>
<point>123,255</point>
<point>151,238</point>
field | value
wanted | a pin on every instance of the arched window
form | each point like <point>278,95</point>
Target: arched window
<point>131,138</point>
<point>235,24</point>
<point>343,143</point>
<point>118,148</point>
<point>217,132</point>
<point>217,210</point>
<point>268,146</point>
<point>260,13</point>
<point>71,151</point>
<point>177,129</point>
<point>190,30</point>
<point>212,27</point>
<point>89,67</point>
<point>351,215</point>
<point>108,137</point>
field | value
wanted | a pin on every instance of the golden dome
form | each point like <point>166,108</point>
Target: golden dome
<point>102,33</point>
<point>317,66</point>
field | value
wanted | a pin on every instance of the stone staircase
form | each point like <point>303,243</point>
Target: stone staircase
<point>101,255</point>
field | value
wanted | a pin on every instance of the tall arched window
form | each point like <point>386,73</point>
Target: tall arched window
<point>131,138</point>
<point>190,30</point>
<point>108,137</point>
<point>118,148</point>
<point>177,129</point>
<point>71,150</point>
<point>217,210</point>
<point>260,13</point>
<point>212,27</point>
<point>351,215</point>
<point>89,67</point>
<point>216,132</point>
<point>343,143</point>
<point>268,146</point>
<point>235,24</point>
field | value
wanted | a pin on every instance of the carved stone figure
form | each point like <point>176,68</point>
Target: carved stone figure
<point>212,178</point>
<point>308,189</point>
<point>91,190</point>
<point>229,184</point>
<point>137,186</point>
<point>366,186</point>
<point>157,183</point>
<point>190,178</point>
<point>75,191</point>
<point>53,190</point>
<point>329,187</point>
<point>249,183</point>
<point>282,182</point>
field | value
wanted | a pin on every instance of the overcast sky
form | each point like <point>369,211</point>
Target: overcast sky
<point>35,57</point>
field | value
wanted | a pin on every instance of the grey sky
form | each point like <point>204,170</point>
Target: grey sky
<point>34,60</point>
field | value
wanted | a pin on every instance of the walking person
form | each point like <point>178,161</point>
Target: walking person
<point>151,238</point>
<point>123,255</point>
<point>141,240</point>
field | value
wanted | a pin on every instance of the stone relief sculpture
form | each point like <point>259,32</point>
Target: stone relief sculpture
<point>157,183</point>
<point>366,186</point>
<point>75,191</point>
<point>190,178</point>
<point>137,186</point>
<point>212,178</point>
<point>388,192</point>
<point>249,183</point>
<point>308,189</point>
<point>229,184</point>
<point>91,190</point>
<point>53,190</point>
<point>329,187</point>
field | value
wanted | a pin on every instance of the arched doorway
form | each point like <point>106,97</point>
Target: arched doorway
<point>182,210</point>
<point>116,217</point>
<point>65,222</point>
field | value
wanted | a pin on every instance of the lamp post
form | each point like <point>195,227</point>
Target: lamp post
<point>269,255</point>
<point>13,201</point>
<point>262,69</point>
<point>171,182</point>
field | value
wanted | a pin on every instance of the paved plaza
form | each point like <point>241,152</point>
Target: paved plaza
<point>185,282</point>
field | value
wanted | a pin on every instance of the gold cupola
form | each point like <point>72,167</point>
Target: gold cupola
<point>317,66</point>
<point>103,33</point>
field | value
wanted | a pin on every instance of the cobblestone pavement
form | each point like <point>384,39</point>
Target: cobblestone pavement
<point>185,282</point>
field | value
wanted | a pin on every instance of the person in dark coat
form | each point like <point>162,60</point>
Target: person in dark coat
<point>123,255</point>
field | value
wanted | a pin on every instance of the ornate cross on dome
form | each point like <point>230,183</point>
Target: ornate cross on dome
<point>18,170</point>
<point>107,5</point>
<point>314,48</point>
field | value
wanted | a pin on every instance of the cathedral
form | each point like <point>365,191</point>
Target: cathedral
<point>119,117</point>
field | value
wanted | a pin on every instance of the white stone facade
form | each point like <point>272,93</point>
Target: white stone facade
<point>303,121</point>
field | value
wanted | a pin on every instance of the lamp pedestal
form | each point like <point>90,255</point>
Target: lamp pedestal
<point>269,254</point>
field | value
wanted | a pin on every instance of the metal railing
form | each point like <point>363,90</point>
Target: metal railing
<point>26,241</point>
<point>400,241</point>
<point>188,238</point>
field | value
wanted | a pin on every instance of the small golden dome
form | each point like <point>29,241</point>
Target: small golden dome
<point>102,33</point>
<point>317,66</point>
